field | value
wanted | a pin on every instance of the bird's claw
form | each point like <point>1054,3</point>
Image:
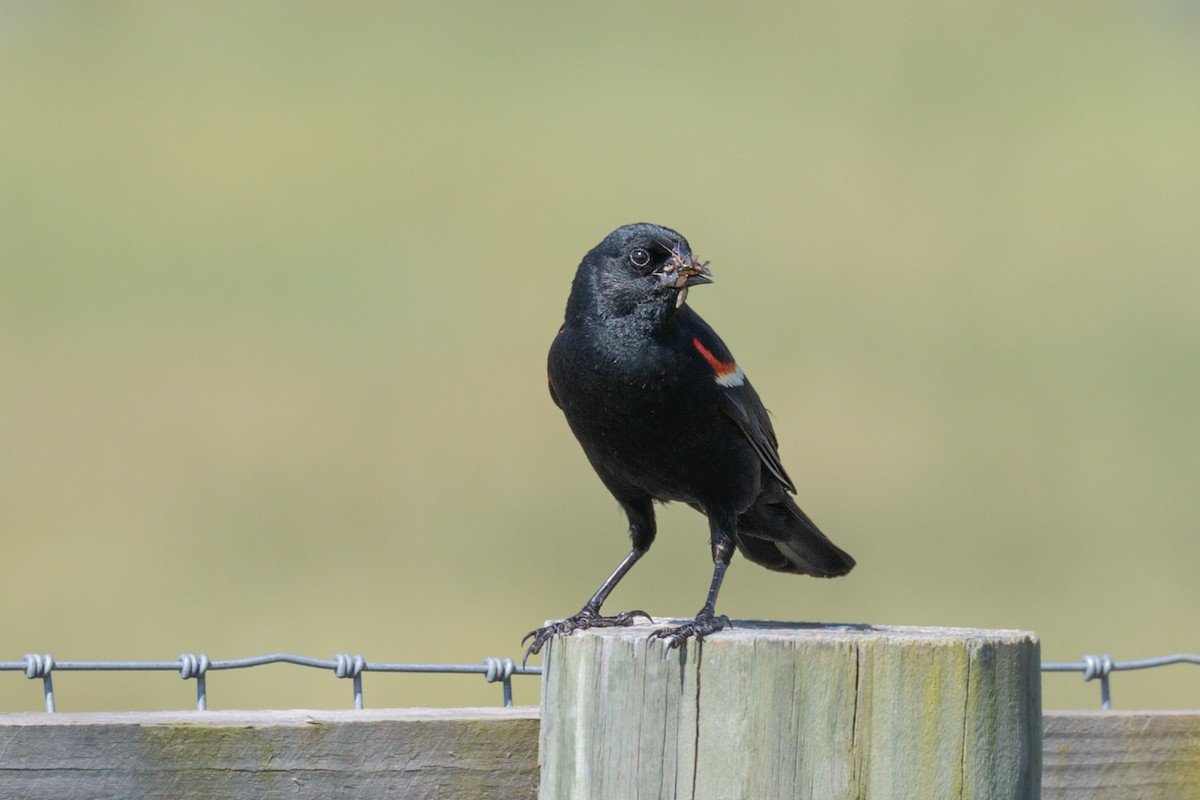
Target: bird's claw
<point>587,618</point>
<point>701,626</point>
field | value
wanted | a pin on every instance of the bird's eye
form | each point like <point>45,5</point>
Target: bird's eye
<point>639,257</point>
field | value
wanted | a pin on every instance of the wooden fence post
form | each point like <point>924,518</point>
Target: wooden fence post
<point>772,710</point>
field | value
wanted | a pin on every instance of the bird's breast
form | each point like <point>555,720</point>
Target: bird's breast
<point>603,377</point>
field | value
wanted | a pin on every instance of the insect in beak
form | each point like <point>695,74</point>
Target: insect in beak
<point>681,271</point>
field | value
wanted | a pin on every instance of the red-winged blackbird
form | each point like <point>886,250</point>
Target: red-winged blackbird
<point>664,413</point>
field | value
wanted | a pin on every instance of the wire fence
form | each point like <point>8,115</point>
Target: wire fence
<point>1100,667</point>
<point>196,667</point>
<point>495,670</point>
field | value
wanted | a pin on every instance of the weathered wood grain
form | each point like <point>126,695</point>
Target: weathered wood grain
<point>1121,755</point>
<point>471,754</point>
<point>793,710</point>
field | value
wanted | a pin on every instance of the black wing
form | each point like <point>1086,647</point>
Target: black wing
<point>744,407</point>
<point>739,401</point>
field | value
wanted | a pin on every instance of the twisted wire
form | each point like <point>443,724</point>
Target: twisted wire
<point>38,666</point>
<point>192,666</point>
<point>498,669</point>
<point>495,670</point>
<point>1097,667</point>
<point>347,666</point>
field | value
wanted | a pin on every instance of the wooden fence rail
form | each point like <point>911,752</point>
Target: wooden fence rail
<point>467,754</point>
<point>473,754</point>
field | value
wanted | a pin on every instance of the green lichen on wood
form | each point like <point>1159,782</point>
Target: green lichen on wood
<point>201,756</point>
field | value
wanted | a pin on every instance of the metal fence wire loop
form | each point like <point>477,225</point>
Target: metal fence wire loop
<point>38,666</point>
<point>196,666</point>
<point>502,670</point>
<point>1100,667</point>
<point>347,666</point>
<point>1097,667</point>
<point>192,665</point>
<point>498,669</point>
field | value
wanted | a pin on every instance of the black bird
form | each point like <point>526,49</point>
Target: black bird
<point>664,413</point>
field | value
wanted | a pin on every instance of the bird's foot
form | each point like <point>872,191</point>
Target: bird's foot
<point>587,618</point>
<point>705,623</point>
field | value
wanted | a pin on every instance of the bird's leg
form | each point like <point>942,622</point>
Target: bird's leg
<point>589,616</point>
<point>642,528</point>
<point>707,621</point>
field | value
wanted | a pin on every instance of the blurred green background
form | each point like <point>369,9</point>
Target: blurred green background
<point>277,281</point>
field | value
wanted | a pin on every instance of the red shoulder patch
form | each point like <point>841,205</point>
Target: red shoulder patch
<point>728,373</point>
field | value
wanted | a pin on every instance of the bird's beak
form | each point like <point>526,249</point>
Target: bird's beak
<point>682,271</point>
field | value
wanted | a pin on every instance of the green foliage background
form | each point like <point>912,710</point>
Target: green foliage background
<point>277,281</point>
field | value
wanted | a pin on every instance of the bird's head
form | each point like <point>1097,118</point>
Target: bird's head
<point>640,266</point>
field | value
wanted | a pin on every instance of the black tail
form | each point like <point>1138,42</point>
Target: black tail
<point>776,534</point>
